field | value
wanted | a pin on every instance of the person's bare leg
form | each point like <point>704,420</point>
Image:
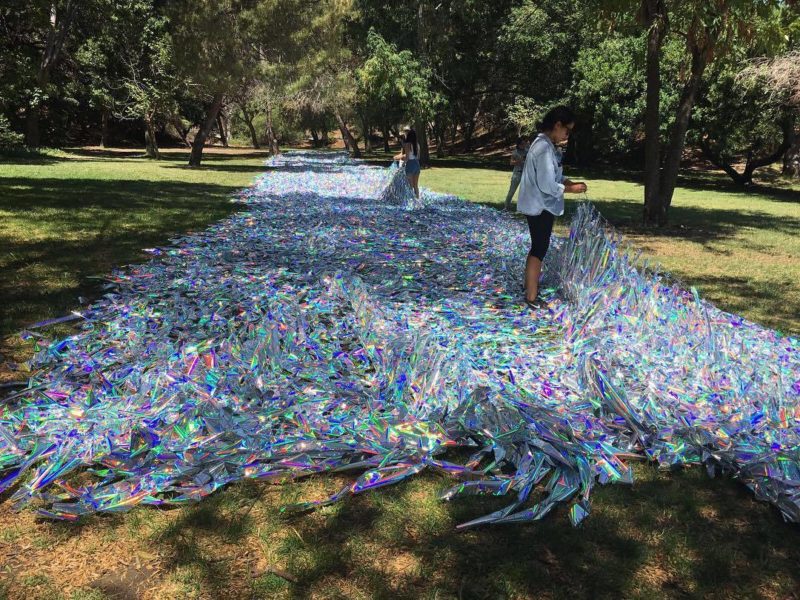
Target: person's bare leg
<point>533,268</point>
<point>511,191</point>
<point>415,184</point>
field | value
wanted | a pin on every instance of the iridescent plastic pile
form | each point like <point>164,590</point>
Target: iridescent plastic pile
<point>342,325</point>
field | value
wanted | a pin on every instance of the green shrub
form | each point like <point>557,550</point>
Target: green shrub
<point>8,137</point>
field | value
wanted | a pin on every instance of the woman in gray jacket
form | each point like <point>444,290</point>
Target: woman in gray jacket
<point>541,193</point>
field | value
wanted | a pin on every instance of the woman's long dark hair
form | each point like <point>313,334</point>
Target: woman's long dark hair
<point>559,114</point>
<point>411,138</point>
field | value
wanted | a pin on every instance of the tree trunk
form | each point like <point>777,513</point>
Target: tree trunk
<point>347,137</point>
<point>325,140</point>
<point>422,138</point>
<point>385,134</point>
<point>223,133</point>
<point>655,17</point>
<point>791,160</point>
<point>424,27</point>
<point>584,143</point>
<point>104,128</point>
<point>272,139</point>
<point>315,137</point>
<point>205,129</point>
<point>32,135</point>
<point>150,143</point>
<point>469,129</point>
<point>365,127</point>
<point>438,134</point>
<point>677,142</point>
<point>753,163</point>
<point>248,120</point>
<point>719,162</point>
<point>60,22</point>
<point>182,131</point>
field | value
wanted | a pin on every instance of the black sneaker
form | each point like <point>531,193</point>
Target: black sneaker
<point>538,304</point>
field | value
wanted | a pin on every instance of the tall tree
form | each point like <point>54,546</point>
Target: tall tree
<point>653,13</point>
<point>394,82</point>
<point>325,80</point>
<point>127,67</point>
<point>59,19</point>
<point>710,30</point>
<point>749,114</point>
<point>220,42</point>
<point>212,52</point>
<point>780,78</point>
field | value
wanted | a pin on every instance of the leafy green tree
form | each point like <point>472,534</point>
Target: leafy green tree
<point>35,36</point>
<point>324,81</point>
<point>709,32</point>
<point>779,78</point>
<point>128,67</point>
<point>609,91</point>
<point>393,82</point>
<point>737,118</point>
<point>486,59</point>
<point>220,43</point>
<point>212,52</point>
<point>60,17</point>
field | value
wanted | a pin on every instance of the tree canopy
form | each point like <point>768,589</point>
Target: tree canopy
<point>646,77</point>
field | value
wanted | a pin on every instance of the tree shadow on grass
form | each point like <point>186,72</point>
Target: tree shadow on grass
<point>222,167</point>
<point>168,154</point>
<point>690,223</point>
<point>695,224</point>
<point>670,535</point>
<point>714,183</point>
<point>688,179</point>
<point>28,158</point>
<point>188,541</point>
<point>115,221</point>
<point>766,301</point>
<point>710,181</point>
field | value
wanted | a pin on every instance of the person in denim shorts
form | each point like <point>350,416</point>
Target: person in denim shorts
<point>541,193</point>
<point>410,155</point>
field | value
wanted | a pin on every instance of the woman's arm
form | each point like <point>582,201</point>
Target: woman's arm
<point>403,152</point>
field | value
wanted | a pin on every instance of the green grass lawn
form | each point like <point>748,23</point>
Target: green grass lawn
<point>65,217</point>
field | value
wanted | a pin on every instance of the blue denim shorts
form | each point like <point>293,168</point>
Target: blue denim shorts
<point>412,167</point>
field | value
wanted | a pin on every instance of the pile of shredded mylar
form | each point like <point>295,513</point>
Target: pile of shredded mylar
<point>342,325</point>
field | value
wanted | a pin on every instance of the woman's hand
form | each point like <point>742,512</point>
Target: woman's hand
<point>576,188</point>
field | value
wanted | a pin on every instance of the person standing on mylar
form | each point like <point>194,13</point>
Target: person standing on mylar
<point>541,192</point>
<point>410,156</point>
